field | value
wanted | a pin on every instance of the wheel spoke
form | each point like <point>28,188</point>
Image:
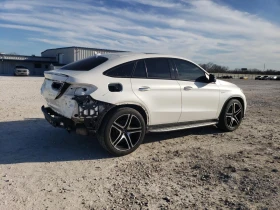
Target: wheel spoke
<point>135,130</point>
<point>236,120</point>
<point>117,126</point>
<point>231,122</point>
<point>118,140</point>
<point>230,111</point>
<point>128,121</point>
<point>128,141</point>
<point>237,112</point>
<point>233,110</point>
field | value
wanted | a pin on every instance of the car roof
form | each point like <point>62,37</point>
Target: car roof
<point>135,56</point>
<point>115,59</point>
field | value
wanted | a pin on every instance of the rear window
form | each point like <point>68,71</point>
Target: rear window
<point>85,64</point>
<point>123,70</point>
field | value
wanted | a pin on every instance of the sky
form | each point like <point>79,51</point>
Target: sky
<point>233,33</point>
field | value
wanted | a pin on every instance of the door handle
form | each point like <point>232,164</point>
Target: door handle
<point>144,88</point>
<point>188,88</point>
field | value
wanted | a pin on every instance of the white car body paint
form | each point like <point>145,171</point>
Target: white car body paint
<point>200,101</point>
<point>161,97</point>
<point>165,102</point>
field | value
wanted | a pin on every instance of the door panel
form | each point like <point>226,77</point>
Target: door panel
<point>199,101</point>
<point>152,84</point>
<point>161,97</point>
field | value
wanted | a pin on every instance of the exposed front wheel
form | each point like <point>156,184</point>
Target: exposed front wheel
<point>122,132</point>
<point>231,116</point>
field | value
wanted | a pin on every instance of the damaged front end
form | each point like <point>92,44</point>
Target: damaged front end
<point>71,107</point>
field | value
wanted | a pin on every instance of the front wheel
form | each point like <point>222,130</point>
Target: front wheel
<point>231,116</point>
<point>122,132</point>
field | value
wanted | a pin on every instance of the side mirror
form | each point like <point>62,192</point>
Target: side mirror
<point>212,78</point>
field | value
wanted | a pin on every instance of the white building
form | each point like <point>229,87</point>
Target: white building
<point>50,59</point>
<point>36,64</point>
<point>67,55</point>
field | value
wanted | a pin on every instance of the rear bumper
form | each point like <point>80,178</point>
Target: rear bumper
<point>57,120</point>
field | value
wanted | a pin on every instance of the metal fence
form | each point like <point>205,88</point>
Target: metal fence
<point>237,76</point>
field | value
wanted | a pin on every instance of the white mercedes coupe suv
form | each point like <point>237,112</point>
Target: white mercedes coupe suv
<point>122,96</point>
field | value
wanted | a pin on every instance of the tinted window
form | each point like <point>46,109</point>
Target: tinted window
<point>123,70</point>
<point>140,70</point>
<point>189,71</point>
<point>158,68</point>
<point>85,64</point>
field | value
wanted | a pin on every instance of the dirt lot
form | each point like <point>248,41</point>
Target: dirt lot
<point>42,167</point>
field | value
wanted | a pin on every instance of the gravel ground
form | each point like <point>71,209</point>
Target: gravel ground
<point>42,167</point>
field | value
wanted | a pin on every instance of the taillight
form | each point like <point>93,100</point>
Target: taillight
<point>57,85</point>
<point>62,90</point>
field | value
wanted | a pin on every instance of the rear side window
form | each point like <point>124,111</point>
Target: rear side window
<point>123,70</point>
<point>140,70</point>
<point>158,68</point>
<point>85,64</point>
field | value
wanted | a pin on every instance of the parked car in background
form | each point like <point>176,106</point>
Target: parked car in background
<point>122,96</point>
<point>278,78</point>
<point>243,77</point>
<point>273,77</point>
<point>226,77</point>
<point>265,77</point>
<point>258,77</point>
<point>21,71</point>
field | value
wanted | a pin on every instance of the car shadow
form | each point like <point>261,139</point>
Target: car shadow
<point>35,140</point>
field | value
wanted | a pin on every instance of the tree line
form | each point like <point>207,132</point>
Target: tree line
<point>215,68</point>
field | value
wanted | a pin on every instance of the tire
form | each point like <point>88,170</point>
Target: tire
<point>122,131</point>
<point>231,116</point>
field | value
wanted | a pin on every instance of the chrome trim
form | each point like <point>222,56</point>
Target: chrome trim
<point>181,127</point>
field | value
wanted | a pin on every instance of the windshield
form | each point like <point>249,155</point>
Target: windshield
<point>85,64</point>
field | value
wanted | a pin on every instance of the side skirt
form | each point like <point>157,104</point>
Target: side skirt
<point>181,126</point>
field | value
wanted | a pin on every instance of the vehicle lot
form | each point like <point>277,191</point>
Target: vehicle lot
<point>42,167</point>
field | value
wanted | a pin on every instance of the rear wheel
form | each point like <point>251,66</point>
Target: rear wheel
<point>122,132</point>
<point>231,116</point>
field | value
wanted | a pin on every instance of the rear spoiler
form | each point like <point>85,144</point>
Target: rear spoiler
<point>55,76</point>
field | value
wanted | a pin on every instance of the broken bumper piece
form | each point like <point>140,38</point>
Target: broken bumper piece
<point>57,120</point>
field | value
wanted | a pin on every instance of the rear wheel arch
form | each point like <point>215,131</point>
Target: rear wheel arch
<point>137,107</point>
